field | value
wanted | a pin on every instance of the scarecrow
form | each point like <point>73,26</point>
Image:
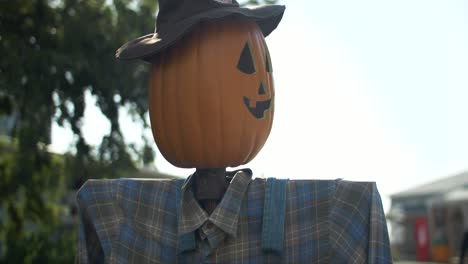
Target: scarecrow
<point>211,94</point>
<point>211,105</point>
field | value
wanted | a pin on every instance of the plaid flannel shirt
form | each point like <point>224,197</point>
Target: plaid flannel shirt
<point>296,221</point>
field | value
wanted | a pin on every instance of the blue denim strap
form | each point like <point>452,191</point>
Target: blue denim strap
<point>274,211</point>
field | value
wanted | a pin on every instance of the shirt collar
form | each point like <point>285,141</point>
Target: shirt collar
<point>226,214</point>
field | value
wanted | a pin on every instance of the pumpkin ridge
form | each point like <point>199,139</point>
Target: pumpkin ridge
<point>205,151</point>
<point>212,95</point>
<point>256,147</point>
<point>154,123</point>
<point>173,105</point>
<point>220,90</point>
<point>168,94</point>
<point>151,108</point>
<point>261,46</point>
<point>200,155</point>
<point>155,103</point>
<point>231,88</point>
<point>166,105</point>
<point>218,30</point>
<point>271,83</point>
<point>178,95</point>
<point>248,139</point>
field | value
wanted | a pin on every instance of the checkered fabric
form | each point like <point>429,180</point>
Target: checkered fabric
<point>159,221</point>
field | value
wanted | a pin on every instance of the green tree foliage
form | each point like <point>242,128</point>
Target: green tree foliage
<point>63,48</point>
<point>31,217</point>
<point>53,51</point>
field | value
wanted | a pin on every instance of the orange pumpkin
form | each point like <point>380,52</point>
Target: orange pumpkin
<point>211,96</point>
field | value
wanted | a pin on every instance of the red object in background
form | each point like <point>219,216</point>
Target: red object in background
<point>421,235</point>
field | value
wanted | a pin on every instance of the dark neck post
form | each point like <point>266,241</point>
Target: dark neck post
<point>209,187</point>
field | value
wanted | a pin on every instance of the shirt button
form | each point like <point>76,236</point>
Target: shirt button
<point>209,225</point>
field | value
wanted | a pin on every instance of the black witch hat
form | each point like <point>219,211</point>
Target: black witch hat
<point>176,18</point>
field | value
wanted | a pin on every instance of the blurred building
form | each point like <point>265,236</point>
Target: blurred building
<point>427,221</point>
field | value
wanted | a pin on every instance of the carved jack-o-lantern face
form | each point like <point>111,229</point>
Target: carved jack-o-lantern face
<point>247,65</point>
<point>211,96</point>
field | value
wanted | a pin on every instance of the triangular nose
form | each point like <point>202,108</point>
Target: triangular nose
<point>261,90</point>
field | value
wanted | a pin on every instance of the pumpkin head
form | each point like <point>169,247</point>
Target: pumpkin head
<point>211,96</point>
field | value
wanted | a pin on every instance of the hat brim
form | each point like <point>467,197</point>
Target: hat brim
<point>144,47</point>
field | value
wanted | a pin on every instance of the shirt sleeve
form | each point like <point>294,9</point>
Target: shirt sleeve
<point>379,245</point>
<point>81,253</point>
<point>99,220</point>
<point>358,230</point>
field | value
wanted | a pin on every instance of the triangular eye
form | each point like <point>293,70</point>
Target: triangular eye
<point>246,63</point>
<point>268,60</point>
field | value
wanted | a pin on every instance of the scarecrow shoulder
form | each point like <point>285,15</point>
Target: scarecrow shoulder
<point>112,190</point>
<point>354,194</point>
<point>95,191</point>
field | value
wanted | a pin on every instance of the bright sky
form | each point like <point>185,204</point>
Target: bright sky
<point>365,90</point>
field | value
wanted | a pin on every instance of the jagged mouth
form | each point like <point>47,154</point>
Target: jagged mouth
<point>260,108</point>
